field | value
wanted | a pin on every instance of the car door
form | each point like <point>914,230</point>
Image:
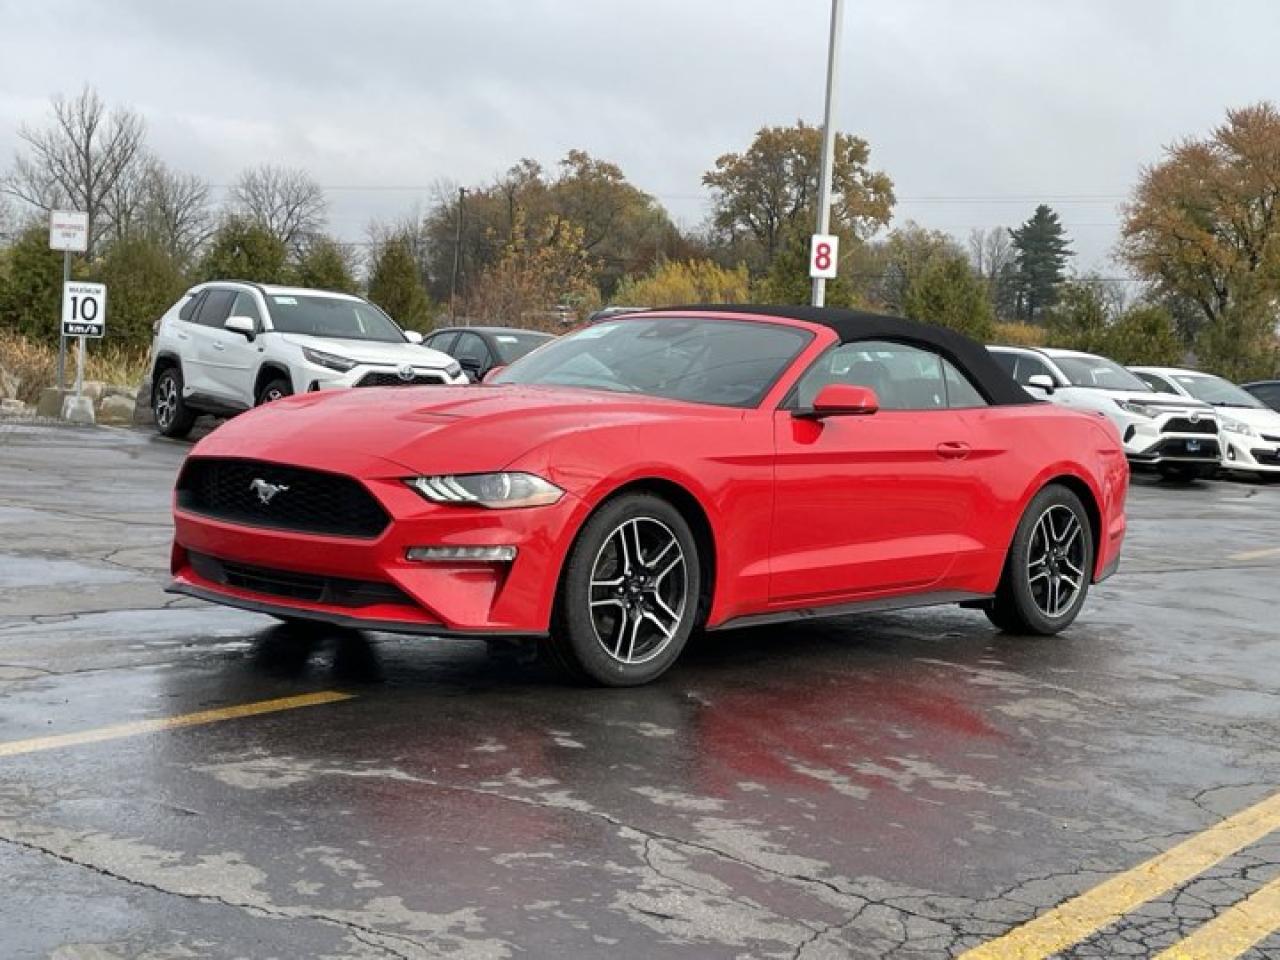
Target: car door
<point>233,358</point>
<point>472,354</point>
<point>208,317</point>
<point>873,504</point>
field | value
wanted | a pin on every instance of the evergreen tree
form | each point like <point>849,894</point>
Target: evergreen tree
<point>395,286</point>
<point>1042,252</point>
<point>325,265</point>
<point>243,250</point>
<point>949,294</point>
<point>31,286</point>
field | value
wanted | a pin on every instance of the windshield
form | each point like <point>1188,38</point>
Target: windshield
<point>511,346</point>
<point>1099,374</point>
<point>1215,390</point>
<point>334,317</point>
<point>731,363</point>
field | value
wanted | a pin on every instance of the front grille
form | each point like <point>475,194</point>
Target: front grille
<point>308,501</point>
<point>334,591</point>
<point>1173,449</point>
<point>1183,425</point>
<point>1269,458</point>
<point>380,379</point>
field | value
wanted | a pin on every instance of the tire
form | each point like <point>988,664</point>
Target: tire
<point>619,622</point>
<point>1186,472</point>
<point>173,417</point>
<point>1052,549</point>
<point>274,389</point>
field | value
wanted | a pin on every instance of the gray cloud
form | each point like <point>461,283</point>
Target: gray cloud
<point>996,99</point>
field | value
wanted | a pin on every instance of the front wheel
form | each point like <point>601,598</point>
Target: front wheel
<point>173,417</point>
<point>274,390</point>
<point>629,594</point>
<point>1047,573</point>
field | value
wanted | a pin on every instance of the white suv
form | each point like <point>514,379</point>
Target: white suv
<point>1178,435</point>
<point>229,345</point>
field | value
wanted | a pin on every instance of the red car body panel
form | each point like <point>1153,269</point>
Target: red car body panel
<point>803,515</point>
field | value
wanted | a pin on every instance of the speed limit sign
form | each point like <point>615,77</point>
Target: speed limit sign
<point>824,249</point>
<point>84,309</point>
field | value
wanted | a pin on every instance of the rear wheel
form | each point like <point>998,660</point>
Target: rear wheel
<point>1047,573</point>
<point>274,390</point>
<point>628,596</point>
<point>173,417</point>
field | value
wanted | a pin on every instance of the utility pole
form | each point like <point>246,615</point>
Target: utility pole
<point>457,256</point>
<point>828,141</point>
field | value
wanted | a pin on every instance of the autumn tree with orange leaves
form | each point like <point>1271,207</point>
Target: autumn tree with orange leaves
<point>1204,223</point>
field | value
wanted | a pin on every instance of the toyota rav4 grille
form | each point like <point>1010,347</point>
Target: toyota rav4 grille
<point>1185,425</point>
<point>382,379</point>
<point>287,498</point>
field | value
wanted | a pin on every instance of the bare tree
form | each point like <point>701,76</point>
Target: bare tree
<point>79,160</point>
<point>285,201</point>
<point>176,211</point>
<point>995,260</point>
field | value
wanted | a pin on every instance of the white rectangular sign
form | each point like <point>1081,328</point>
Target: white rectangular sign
<point>824,249</point>
<point>84,309</point>
<point>68,230</point>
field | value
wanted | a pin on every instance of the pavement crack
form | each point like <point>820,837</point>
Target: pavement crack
<point>370,936</point>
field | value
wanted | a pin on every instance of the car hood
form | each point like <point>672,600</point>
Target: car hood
<point>1161,400</point>
<point>372,351</point>
<point>458,429</point>
<point>1260,418</point>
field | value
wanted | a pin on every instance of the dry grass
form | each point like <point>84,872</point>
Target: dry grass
<point>36,364</point>
<point>1020,335</point>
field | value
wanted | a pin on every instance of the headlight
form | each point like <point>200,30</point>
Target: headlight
<point>1137,409</point>
<point>1237,426</point>
<point>329,360</point>
<point>453,369</point>
<point>498,491</point>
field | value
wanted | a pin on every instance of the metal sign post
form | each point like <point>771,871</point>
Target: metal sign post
<point>828,155</point>
<point>68,231</point>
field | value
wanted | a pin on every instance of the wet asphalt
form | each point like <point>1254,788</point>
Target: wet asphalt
<point>907,785</point>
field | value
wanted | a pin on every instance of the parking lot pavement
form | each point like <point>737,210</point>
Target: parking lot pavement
<point>180,780</point>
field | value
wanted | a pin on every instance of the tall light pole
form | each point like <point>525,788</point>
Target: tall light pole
<point>828,141</point>
<point>457,254</point>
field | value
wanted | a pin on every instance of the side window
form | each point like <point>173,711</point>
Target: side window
<point>189,308</point>
<point>1029,367</point>
<point>961,393</point>
<point>246,305</point>
<point>1008,362</point>
<point>471,349</point>
<point>443,342</point>
<point>1156,383</point>
<point>903,377</point>
<point>1270,395</point>
<point>215,308</point>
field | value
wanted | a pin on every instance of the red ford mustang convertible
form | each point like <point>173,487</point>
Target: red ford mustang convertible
<point>658,473</point>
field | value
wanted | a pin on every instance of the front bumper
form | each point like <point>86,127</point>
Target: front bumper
<point>309,377</point>
<point>1253,454</point>
<point>453,598</point>
<point>1148,441</point>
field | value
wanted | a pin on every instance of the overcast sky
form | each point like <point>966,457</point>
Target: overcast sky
<point>976,108</point>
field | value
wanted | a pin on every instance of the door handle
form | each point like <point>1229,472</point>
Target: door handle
<point>184,336</point>
<point>953,450</point>
<point>219,346</point>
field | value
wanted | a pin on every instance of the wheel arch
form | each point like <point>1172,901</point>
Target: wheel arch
<point>694,514</point>
<point>164,361</point>
<point>269,371</point>
<point>1088,497</point>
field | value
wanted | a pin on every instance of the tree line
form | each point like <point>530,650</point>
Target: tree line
<point>542,247</point>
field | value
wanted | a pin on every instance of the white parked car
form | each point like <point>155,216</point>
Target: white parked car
<point>1176,434</point>
<point>1250,429</point>
<point>229,345</point>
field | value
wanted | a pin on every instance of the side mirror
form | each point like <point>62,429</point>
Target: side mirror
<point>842,400</point>
<point>246,326</point>
<point>413,336</point>
<point>1042,381</point>
<point>493,372</point>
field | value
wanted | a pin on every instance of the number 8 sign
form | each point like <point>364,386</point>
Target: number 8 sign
<point>824,251</point>
<point>84,309</point>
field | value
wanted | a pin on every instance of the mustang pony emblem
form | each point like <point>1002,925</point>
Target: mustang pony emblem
<point>266,491</point>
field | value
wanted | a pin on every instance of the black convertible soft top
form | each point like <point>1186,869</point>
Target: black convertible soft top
<point>853,325</point>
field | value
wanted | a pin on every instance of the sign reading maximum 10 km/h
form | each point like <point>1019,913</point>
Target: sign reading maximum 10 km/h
<point>84,309</point>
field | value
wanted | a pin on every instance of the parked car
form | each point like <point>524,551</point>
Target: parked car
<point>229,345</point>
<point>1250,430</point>
<point>647,475</point>
<point>1175,434</point>
<point>616,310</point>
<point>479,349</point>
<point>1268,391</point>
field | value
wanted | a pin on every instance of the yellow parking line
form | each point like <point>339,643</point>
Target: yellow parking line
<point>1256,554</point>
<point>1088,913</point>
<point>14,747</point>
<point>1232,933</point>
